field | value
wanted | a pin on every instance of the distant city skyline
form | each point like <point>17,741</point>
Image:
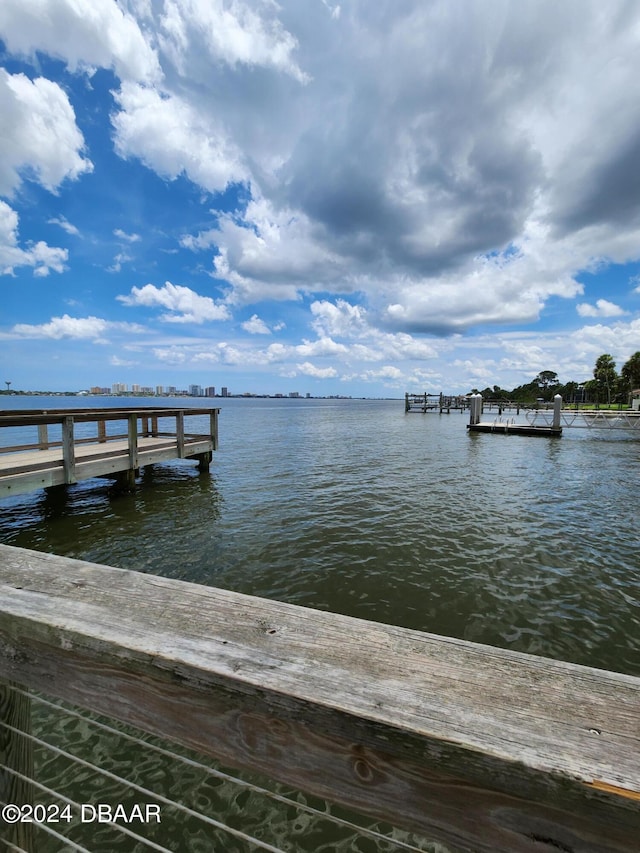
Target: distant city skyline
<point>357,199</point>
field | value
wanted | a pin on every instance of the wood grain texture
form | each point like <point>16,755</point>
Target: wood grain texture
<point>16,753</point>
<point>486,749</point>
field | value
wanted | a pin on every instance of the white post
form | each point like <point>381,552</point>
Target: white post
<point>475,409</point>
<point>557,407</point>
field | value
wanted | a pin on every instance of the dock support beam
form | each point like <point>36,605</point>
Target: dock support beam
<point>204,461</point>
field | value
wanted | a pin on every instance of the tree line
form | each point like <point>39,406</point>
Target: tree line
<point>607,386</point>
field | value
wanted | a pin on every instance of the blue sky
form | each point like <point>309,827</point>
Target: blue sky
<point>352,198</point>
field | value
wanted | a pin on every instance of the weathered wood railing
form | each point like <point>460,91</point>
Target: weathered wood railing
<point>75,444</point>
<point>487,749</point>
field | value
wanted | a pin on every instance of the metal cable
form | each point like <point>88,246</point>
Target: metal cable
<point>218,774</point>
<point>147,793</point>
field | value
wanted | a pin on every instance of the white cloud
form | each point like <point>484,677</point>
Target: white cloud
<point>183,304</point>
<point>115,361</point>
<point>308,369</point>
<point>40,256</point>
<point>256,326</point>
<point>64,223</point>
<point>237,33</point>
<point>174,138</point>
<point>128,238</point>
<point>92,328</point>
<point>84,33</point>
<point>40,138</point>
<point>602,308</point>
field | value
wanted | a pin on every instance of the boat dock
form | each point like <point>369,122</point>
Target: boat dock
<point>434,403</point>
<point>40,449</point>
<point>498,425</point>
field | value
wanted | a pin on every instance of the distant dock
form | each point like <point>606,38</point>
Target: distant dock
<point>509,426</point>
<point>41,449</point>
<point>442,403</point>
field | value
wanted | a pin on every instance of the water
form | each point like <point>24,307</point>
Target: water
<point>526,543</point>
<point>352,506</point>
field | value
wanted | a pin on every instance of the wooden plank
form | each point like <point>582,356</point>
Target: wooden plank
<point>486,749</point>
<point>16,754</point>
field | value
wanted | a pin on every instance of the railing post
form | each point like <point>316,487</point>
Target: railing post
<point>68,451</point>
<point>133,440</point>
<point>43,436</point>
<point>102,431</point>
<point>213,426</point>
<point>154,425</point>
<point>16,754</point>
<point>180,434</point>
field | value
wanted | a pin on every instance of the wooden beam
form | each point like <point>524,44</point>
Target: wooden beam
<point>133,440</point>
<point>16,754</point>
<point>486,749</point>
<point>68,451</point>
<point>180,434</point>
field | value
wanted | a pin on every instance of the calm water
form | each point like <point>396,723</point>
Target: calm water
<point>352,506</point>
<point>527,543</point>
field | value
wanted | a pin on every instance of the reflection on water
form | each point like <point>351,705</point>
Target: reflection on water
<point>352,506</point>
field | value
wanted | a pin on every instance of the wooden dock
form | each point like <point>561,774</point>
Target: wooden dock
<point>442,403</point>
<point>490,750</point>
<point>45,448</point>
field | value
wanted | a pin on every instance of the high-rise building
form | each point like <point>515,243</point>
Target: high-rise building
<point>159,390</point>
<point>210,391</point>
<point>225,391</point>
<point>195,391</point>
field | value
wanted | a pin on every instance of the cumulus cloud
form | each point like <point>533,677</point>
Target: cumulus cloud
<point>40,137</point>
<point>239,33</point>
<point>40,256</point>
<point>308,369</point>
<point>173,138</point>
<point>183,304</point>
<point>92,328</point>
<point>256,326</point>
<point>602,308</point>
<point>488,186</point>
<point>83,33</point>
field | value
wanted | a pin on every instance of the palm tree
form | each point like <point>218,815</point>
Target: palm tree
<point>605,374</point>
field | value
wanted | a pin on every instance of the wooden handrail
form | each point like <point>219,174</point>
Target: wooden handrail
<point>487,749</point>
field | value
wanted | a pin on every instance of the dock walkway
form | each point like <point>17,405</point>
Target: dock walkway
<point>65,446</point>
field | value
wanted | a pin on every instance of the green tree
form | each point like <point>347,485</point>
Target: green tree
<point>630,373</point>
<point>547,381</point>
<point>605,376</point>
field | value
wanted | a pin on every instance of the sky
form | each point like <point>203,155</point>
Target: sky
<point>334,198</point>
